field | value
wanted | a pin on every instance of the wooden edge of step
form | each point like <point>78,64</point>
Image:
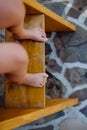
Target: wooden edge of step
<point>13,118</point>
<point>52,19</point>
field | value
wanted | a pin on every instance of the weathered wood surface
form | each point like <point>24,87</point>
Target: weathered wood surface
<point>53,22</point>
<point>27,96</point>
<point>12,118</point>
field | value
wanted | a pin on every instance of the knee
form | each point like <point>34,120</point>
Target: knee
<point>22,58</point>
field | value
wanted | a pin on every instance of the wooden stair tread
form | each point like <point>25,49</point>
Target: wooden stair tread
<point>28,96</point>
<point>12,118</point>
<point>53,22</point>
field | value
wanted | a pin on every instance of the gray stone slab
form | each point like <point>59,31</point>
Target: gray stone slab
<point>54,87</point>
<point>76,76</point>
<point>80,94</point>
<point>56,7</point>
<point>84,111</point>
<point>73,124</point>
<point>85,22</point>
<point>49,127</point>
<point>73,13</point>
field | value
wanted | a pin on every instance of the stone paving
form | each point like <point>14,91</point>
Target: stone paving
<point>66,64</point>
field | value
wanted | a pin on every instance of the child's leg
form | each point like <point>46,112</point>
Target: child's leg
<point>12,13</point>
<point>14,62</point>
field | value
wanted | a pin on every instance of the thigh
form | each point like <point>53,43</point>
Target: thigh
<point>11,13</point>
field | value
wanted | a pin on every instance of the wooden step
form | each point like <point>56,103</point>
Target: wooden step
<point>53,21</point>
<point>28,96</point>
<point>13,118</point>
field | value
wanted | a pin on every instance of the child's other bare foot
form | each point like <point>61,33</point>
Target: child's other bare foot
<point>35,80</point>
<point>37,34</point>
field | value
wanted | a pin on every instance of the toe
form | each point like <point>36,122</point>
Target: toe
<point>44,39</point>
<point>42,32</point>
<point>45,75</point>
<point>40,29</point>
<point>41,85</point>
<point>43,35</point>
<point>44,79</point>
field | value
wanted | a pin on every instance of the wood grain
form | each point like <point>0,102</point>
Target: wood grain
<point>12,118</point>
<point>53,22</point>
<point>29,96</point>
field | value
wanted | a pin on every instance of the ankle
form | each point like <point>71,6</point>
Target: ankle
<point>19,34</point>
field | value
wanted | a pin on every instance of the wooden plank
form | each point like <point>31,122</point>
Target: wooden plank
<point>24,96</point>
<point>12,118</point>
<point>53,21</point>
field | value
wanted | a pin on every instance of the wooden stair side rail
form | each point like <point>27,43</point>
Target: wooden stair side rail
<point>22,96</point>
<point>53,22</point>
<point>13,118</point>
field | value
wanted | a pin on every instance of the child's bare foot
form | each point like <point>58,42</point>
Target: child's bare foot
<point>37,34</point>
<point>35,80</point>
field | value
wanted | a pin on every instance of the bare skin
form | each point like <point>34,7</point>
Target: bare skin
<point>31,79</point>
<point>13,18</point>
<point>36,34</point>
